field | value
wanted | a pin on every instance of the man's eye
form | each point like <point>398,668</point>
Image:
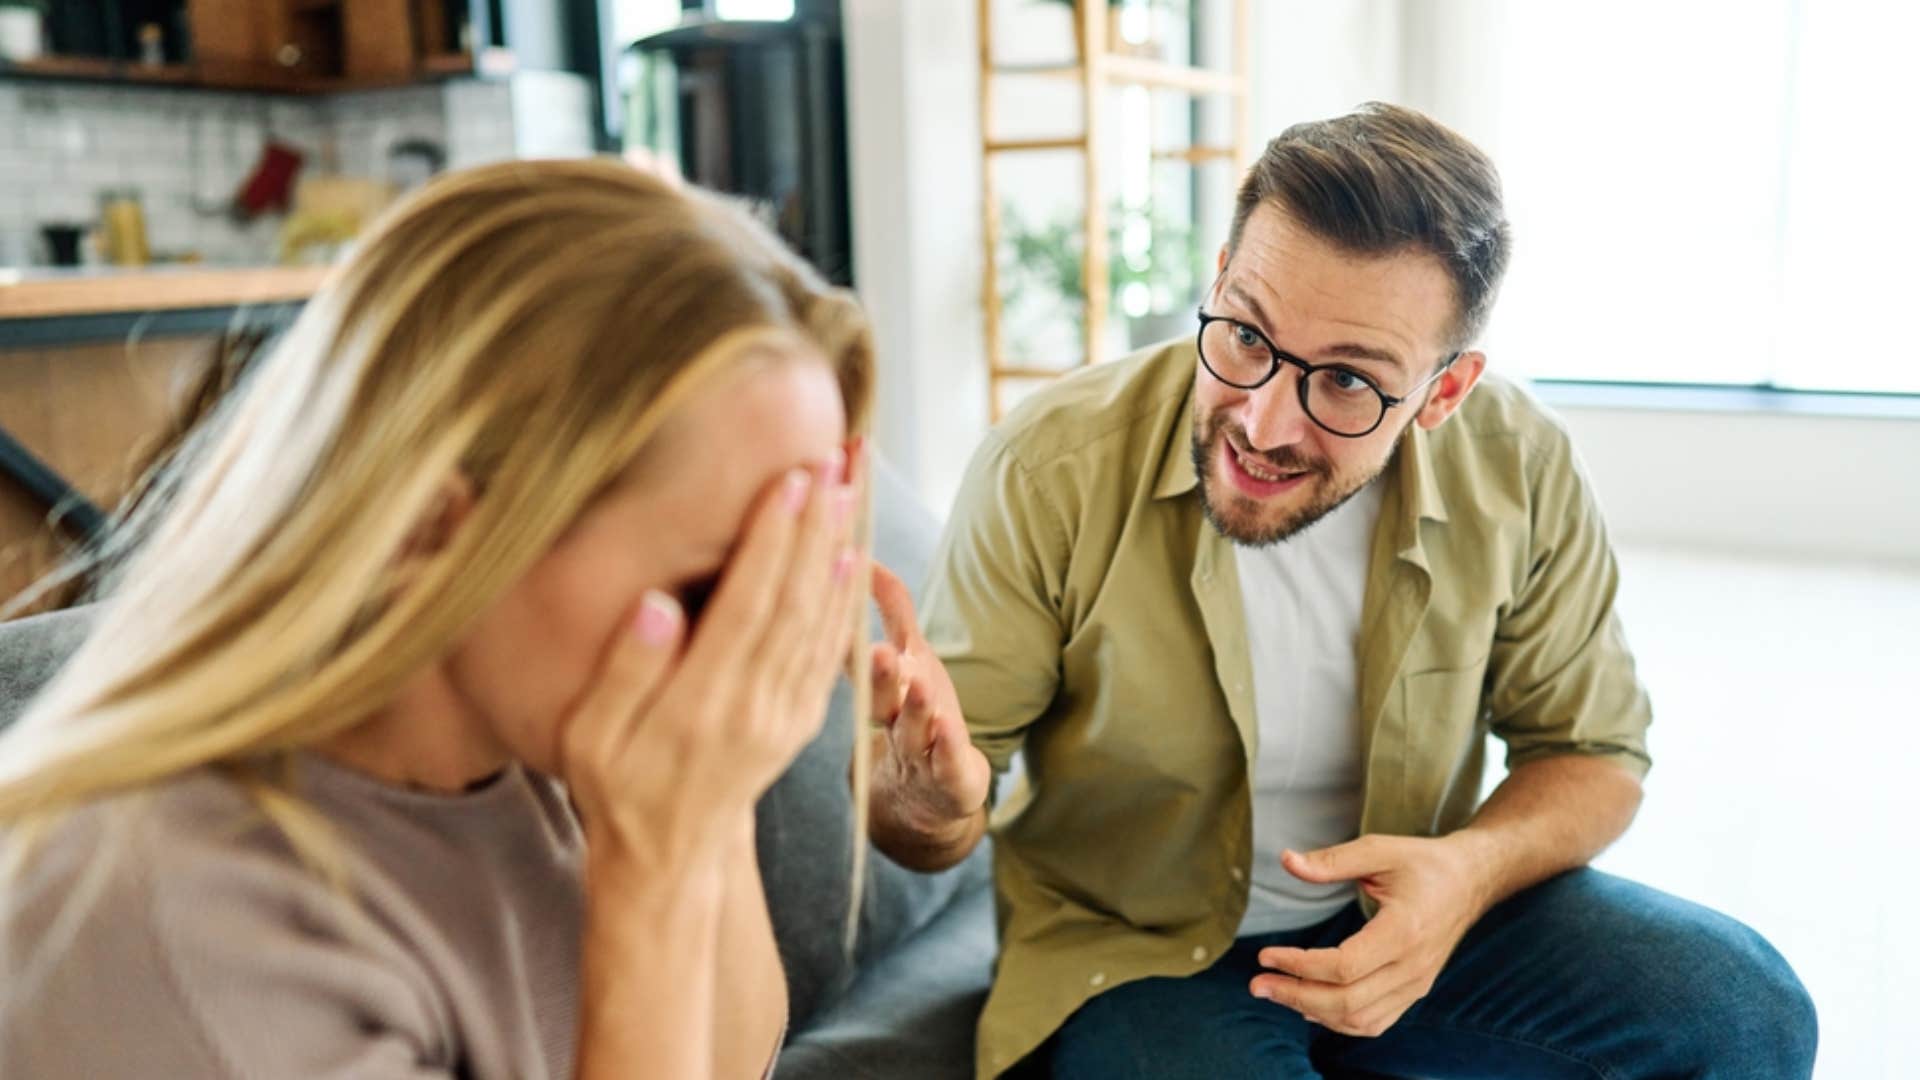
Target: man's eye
<point>1246,336</point>
<point>1348,381</point>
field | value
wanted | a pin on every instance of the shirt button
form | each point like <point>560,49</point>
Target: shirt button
<point>1238,874</point>
<point>1099,979</point>
<point>1199,954</point>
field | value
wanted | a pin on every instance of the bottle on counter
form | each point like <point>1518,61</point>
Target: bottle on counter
<point>153,51</point>
<point>123,227</point>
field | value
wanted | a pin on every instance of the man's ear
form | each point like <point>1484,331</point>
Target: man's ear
<point>1450,389</point>
<point>1220,264</point>
<point>435,531</point>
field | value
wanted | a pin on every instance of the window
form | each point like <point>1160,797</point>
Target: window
<point>1719,191</point>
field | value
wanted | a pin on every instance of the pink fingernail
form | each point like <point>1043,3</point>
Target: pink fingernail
<point>843,566</point>
<point>844,501</point>
<point>659,618</point>
<point>798,483</point>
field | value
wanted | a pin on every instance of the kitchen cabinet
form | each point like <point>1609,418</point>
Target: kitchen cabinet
<point>287,46</point>
<point>294,44</point>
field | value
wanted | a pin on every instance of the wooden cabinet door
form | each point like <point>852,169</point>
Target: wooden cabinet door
<point>304,44</point>
<point>379,39</point>
<point>229,40</point>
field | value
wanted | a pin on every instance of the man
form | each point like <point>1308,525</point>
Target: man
<point>1250,604</point>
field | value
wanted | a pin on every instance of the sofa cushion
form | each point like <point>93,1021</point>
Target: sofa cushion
<point>31,652</point>
<point>912,1011</point>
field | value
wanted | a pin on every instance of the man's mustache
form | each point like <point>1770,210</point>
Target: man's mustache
<point>1285,459</point>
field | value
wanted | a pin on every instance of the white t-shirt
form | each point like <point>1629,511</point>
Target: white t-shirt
<point>1303,598</point>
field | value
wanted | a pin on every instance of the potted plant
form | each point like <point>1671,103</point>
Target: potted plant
<point>1151,287</point>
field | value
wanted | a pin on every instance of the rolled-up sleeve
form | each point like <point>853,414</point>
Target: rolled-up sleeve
<point>992,606</point>
<point>1560,677</point>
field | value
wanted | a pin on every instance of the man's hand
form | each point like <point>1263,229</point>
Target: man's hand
<point>929,781</point>
<point>1430,892</point>
<point>1548,815</point>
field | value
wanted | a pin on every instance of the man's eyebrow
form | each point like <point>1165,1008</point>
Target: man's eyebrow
<point>1351,350</point>
<point>1356,351</point>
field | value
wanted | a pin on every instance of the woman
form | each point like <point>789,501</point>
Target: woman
<point>550,483</point>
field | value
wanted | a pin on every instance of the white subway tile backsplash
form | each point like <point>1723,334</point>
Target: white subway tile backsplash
<point>61,203</point>
<point>189,151</point>
<point>20,173</point>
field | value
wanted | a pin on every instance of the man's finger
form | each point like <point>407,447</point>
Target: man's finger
<point>1331,1004</point>
<point>1341,862</point>
<point>910,732</point>
<point>896,608</point>
<point>888,686</point>
<point>1366,952</point>
<point>1376,1019</point>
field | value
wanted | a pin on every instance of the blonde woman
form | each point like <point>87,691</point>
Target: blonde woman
<point>549,485</point>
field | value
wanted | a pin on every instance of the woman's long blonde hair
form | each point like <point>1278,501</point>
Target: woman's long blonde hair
<point>528,325</point>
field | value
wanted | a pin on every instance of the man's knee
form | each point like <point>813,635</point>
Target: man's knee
<point>1737,1001</point>
<point>1762,1014</point>
<point>1702,989</point>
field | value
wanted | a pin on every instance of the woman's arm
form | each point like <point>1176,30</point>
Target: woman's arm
<point>648,970</point>
<point>752,988</point>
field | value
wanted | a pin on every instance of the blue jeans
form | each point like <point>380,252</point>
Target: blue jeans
<point>1585,975</point>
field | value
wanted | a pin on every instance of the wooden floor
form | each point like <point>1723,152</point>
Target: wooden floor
<point>1786,780</point>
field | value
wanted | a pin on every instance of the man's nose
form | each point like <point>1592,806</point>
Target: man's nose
<point>1271,415</point>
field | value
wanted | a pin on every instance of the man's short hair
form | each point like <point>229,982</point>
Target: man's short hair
<point>1383,179</point>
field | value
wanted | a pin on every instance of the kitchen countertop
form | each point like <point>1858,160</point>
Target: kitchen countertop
<point>46,293</point>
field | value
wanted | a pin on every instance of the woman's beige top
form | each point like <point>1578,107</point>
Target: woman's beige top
<point>206,950</point>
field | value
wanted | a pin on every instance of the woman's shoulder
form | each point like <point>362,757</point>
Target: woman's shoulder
<point>188,847</point>
<point>181,917</point>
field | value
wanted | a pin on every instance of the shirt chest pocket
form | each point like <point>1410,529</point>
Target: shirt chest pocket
<point>1447,697</point>
<point>1442,720</point>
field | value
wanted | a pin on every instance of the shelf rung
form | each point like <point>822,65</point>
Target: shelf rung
<point>1030,372</point>
<point>1037,69</point>
<point>1195,154</point>
<point>1003,146</point>
<point>1136,71</point>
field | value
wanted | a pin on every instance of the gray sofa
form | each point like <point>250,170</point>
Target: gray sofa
<point>903,1005</point>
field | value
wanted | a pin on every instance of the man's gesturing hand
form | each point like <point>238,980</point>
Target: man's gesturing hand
<point>929,780</point>
<point>1429,895</point>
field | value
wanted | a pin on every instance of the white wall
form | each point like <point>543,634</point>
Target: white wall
<point>913,133</point>
<point>1313,59</point>
<point>1828,487</point>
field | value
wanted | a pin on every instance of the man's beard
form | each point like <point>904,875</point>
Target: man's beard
<point>1238,517</point>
